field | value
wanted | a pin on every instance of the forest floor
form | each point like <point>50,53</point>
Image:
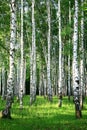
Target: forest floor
<point>43,115</point>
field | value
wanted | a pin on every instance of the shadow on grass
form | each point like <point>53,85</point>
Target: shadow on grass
<point>44,116</point>
<point>56,122</point>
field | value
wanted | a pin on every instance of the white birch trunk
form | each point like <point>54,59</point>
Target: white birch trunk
<point>34,51</point>
<point>45,53</point>
<point>76,77</point>
<point>69,79</point>
<point>64,83</point>
<point>17,47</point>
<point>31,77</point>
<point>49,91</point>
<point>6,113</point>
<point>60,56</point>
<point>33,60</point>
<point>53,73</point>
<point>82,57</point>
<point>18,77</point>
<point>45,85</point>
<point>40,84</point>
<point>24,79</point>
<point>69,75</point>
<point>22,58</point>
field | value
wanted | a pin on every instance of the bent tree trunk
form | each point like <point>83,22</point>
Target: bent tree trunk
<point>6,113</point>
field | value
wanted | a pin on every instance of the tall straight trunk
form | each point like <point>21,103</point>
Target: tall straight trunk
<point>69,81</point>
<point>18,77</point>
<point>31,77</point>
<point>22,62</point>
<point>60,57</point>
<point>24,78</point>
<point>40,84</point>
<point>6,113</point>
<point>33,60</point>
<point>76,77</point>
<point>53,72</point>
<point>82,57</point>
<point>18,45</point>
<point>49,89</point>
<point>45,84</point>
<point>64,74</point>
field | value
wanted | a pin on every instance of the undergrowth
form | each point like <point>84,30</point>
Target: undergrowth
<point>43,115</point>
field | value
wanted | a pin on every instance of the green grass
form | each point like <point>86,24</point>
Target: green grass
<point>43,115</point>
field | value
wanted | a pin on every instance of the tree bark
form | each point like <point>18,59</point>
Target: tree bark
<point>22,60</point>
<point>82,86</point>
<point>6,113</point>
<point>33,60</point>
<point>69,72</point>
<point>76,77</point>
<point>24,78</point>
<point>49,89</point>
<point>60,57</point>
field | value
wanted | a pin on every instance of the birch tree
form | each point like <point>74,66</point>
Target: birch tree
<point>33,60</point>
<point>41,83</point>
<point>82,57</point>
<point>18,77</point>
<point>69,84</point>
<point>6,113</point>
<point>60,56</point>
<point>44,83</point>
<point>22,62</point>
<point>49,91</point>
<point>76,76</point>
<point>24,78</point>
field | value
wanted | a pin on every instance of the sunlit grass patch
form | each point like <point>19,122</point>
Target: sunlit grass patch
<point>43,115</point>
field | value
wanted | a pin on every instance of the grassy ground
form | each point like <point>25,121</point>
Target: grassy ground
<point>43,115</point>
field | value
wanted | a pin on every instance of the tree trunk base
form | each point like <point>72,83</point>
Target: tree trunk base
<point>78,114</point>
<point>6,113</point>
<point>69,98</point>
<point>60,100</point>
<point>49,98</point>
<point>60,104</point>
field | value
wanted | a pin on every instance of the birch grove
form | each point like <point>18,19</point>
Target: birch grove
<point>48,56</point>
